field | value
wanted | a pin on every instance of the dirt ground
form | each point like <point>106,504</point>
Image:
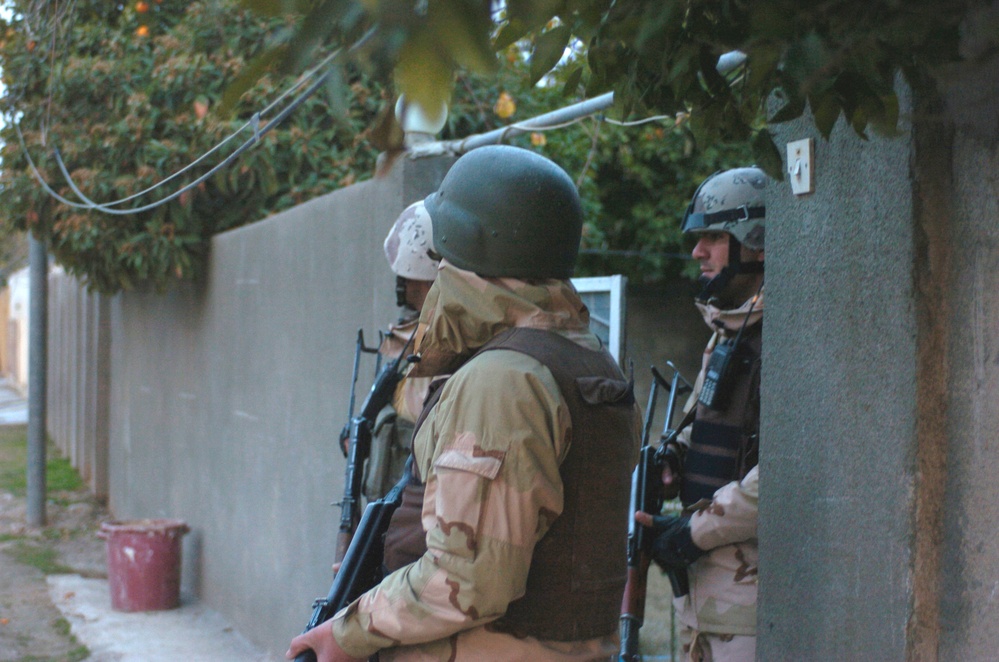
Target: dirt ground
<point>31,627</point>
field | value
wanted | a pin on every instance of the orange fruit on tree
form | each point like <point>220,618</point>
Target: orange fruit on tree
<point>142,31</point>
<point>505,106</point>
<point>142,7</point>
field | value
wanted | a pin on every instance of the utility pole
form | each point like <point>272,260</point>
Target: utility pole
<point>37,365</point>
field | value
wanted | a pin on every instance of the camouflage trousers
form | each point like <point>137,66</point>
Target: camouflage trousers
<point>712,647</point>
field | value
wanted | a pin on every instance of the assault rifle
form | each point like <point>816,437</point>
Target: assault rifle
<point>356,437</point>
<point>361,567</point>
<point>647,496</point>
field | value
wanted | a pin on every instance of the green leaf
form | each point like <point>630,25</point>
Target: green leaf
<point>763,61</point>
<point>316,29</point>
<point>825,110</point>
<point>511,32</point>
<point>803,62</point>
<point>549,47</point>
<point>766,155</point>
<point>886,122</point>
<point>424,72</point>
<point>533,13</point>
<point>792,109</point>
<point>572,81</point>
<point>250,76</point>
<point>462,30</point>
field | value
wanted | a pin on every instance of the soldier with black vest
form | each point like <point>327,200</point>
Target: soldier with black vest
<point>713,466</point>
<point>510,542</point>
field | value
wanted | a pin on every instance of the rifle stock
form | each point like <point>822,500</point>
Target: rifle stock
<point>361,567</point>
<point>647,497</point>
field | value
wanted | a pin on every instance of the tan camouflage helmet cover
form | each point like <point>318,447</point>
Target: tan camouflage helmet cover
<point>408,243</point>
<point>732,201</point>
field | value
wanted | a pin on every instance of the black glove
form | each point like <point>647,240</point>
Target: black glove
<point>673,548</point>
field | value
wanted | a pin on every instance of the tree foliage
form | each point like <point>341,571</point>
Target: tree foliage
<point>126,94</point>
<point>840,57</point>
<point>130,94</point>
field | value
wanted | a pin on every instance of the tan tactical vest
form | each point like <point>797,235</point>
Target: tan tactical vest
<point>578,570</point>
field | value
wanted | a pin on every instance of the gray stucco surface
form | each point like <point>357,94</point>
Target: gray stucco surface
<point>838,405</point>
<point>882,317</point>
<point>970,583</point>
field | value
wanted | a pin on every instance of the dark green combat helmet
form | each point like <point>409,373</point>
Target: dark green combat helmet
<point>503,211</point>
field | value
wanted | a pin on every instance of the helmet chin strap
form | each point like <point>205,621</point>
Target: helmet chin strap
<point>713,286</point>
<point>400,291</point>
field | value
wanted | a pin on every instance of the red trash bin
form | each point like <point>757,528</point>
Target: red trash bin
<point>144,563</point>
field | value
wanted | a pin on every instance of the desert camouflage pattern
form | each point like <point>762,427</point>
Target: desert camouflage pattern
<point>392,432</point>
<point>410,393</point>
<point>708,647</point>
<point>723,583</point>
<point>489,453</point>
<point>408,242</point>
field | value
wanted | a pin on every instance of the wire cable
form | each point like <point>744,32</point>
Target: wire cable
<point>253,123</point>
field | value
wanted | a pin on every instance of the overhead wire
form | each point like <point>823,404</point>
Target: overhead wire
<point>259,132</point>
<point>253,123</point>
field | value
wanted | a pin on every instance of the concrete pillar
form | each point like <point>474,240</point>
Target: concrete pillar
<point>879,436</point>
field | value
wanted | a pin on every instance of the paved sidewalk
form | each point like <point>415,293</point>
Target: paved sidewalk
<point>191,633</point>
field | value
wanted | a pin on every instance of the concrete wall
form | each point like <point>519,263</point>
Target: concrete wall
<point>78,380</point>
<point>879,451</point>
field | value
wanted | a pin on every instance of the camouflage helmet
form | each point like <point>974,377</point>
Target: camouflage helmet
<point>505,211</point>
<point>408,244</point>
<point>731,201</point>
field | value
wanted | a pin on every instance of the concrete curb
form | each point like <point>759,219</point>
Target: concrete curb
<point>191,633</point>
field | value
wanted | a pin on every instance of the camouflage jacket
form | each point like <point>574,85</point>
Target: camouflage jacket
<point>392,433</point>
<point>489,453</point>
<point>723,586</point>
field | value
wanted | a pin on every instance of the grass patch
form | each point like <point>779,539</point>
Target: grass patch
<point>42,558</point>
<point>60,476</point>
<point>62,627</point>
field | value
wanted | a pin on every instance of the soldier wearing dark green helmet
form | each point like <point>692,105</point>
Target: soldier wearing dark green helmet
<point>504,211</point>
<point>523,452</point>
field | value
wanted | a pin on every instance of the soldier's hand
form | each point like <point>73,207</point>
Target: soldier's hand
<point>320,639</point>
<point>671,473</point>
<point>345,440</point>
<point>671,482</point>
<point>672,547</point>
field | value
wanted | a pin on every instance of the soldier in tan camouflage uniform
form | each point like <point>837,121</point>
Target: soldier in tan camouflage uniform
<point>525,452</point>
<point>409,251</point>
<point>713,468</point>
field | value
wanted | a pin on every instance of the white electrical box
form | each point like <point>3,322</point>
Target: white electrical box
<point>800,165</point>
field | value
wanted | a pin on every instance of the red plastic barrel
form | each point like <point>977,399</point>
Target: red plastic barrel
<point>144,563</point>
